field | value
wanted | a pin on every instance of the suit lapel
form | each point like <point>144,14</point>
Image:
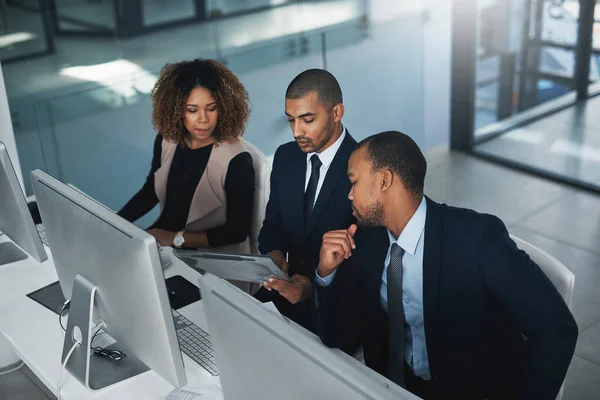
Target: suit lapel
<point>374,253</point>
<point>432,262</point>
<point>378,246</point>
<point>337,170</point>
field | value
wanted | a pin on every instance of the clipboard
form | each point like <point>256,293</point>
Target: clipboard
<point>238,267</point>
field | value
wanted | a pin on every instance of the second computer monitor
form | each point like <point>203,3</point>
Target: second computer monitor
<point>259,355</point>
<point>15,218</point>
<point>122,262</point>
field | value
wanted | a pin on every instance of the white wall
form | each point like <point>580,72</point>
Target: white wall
<point>7,135</point>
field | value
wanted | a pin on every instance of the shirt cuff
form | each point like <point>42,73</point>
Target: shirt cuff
<point>324,282</point>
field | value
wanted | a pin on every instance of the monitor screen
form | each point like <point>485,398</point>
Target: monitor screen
<point>259,353</point>
<point>15,219</point>
<point>122,262</point>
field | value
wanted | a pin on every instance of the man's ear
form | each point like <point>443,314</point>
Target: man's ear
<point>338,112</point>
<point>387,179</point>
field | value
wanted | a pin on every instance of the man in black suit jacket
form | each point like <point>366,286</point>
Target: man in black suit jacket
<point>309,190</point>
<point>442,301</point>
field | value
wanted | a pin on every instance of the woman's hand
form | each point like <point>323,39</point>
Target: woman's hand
<point>163,237</point>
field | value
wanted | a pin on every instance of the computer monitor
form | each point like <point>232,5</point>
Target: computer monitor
<point>104,260</point>
<point>259,353</point>
<point>15,219</point>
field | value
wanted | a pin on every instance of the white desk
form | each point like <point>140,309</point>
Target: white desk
<point>37,338</point>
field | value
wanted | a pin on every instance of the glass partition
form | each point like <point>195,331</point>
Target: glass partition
<point>158,12</point>
<point>24,29</point>
<point>97,16</point>
<point>100,140</point>
<point>382,76</point>
<point>99,137</point>
<point>533,104</point>
<point>231,7</point>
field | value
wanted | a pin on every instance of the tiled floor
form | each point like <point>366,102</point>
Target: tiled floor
<point>564,222</point>
<point>566,143</point>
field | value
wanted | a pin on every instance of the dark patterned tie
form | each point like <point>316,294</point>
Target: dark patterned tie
<point>311,189</point>
<point>396,317</point>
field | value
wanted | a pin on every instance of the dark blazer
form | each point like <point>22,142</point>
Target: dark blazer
<point>283,227</point>
<point>481,295</point>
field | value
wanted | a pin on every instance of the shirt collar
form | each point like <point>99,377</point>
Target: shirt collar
<point>327,155</point>
<point>410,236</point>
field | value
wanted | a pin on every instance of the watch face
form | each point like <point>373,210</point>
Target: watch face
<point>178,241</point>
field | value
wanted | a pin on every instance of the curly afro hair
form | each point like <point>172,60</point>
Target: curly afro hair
<point>173,87</point>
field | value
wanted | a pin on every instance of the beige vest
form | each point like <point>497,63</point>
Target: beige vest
<point>209,203</point>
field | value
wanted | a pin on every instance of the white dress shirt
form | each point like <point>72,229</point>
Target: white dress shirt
<point>412,241</point>
<point>326,157</point>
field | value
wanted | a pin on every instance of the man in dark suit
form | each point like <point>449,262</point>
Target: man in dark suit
<point>441,299</point>
<point>309,190</point>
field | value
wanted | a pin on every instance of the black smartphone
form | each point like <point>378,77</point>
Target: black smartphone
<point>181,292</point>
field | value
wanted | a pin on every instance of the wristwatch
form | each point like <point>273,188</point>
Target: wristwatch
<point>179,240</point>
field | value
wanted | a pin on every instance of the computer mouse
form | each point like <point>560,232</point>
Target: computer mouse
<point>165,259</point>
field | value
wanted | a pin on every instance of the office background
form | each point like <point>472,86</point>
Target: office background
<point>509,85</point>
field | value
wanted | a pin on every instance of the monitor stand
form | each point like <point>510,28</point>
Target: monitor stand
<point>93,371</point>
<point>10,253</point>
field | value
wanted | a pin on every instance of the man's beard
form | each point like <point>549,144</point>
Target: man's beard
<point>325,136</point>
<point>372,217</point>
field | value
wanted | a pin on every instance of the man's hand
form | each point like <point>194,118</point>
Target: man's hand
<point>336,247</point>
<point>164,238</point>
<point>280,260</point>
<point>297,289</point>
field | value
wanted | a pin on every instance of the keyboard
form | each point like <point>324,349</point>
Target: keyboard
<point>195,343</point>
<point>42,233</point>
<point>180,394</point>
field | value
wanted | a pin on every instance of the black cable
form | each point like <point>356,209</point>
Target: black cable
<point>60,315</point>
<point>114,355</point>
<point>94,337</point>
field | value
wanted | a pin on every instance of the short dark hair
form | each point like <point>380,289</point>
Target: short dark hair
<point>316,80</point>
<point>399,153</point>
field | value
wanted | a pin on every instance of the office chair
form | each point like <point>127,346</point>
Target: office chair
<point>559,275</point>
<point>262,171</point>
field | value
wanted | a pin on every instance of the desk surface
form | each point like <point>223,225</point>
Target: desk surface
<point>37,338</point>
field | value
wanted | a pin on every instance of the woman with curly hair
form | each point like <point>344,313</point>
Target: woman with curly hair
<point>201,175</point>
